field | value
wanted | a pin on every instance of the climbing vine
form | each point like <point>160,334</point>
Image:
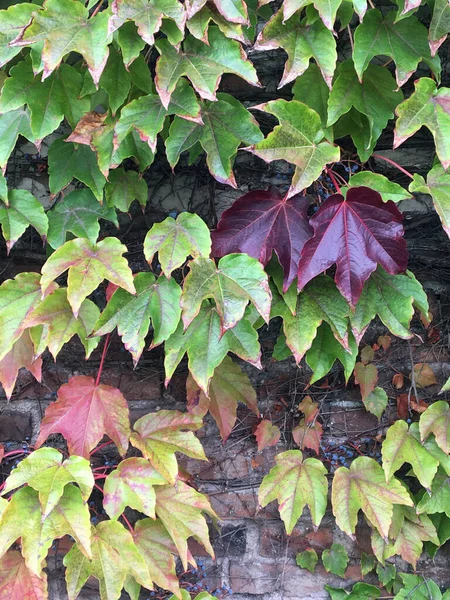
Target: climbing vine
<point>116,84</point>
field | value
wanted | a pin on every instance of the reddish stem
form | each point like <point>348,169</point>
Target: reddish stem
<point>394,164</point>
<point>13,453</point>
<point>97,487</point>
<point>100,476</point>
<point>127,522</point>
<point>102,361</point>
<point>335,183</point>
<point>101,446</point>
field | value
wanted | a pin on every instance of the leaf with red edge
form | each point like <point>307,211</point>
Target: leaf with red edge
<point>366,376</point>
<point>262,222</point>
<point>309,408</point>
<point>229,385</point>
<point>356,234</point>
<point>308,436</point>
<point>266,435</point>
<point>21,355</point>
<point>83,413</point>
<point>17,582</point>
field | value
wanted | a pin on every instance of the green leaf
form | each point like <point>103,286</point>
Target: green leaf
<point>439,26</point>
<point>115,80</point>
<point>228,386</point>
<point>123,187</point>
<point>114,556</point>
<point>206,346</point>
<point>404,41</point>
<point>225,125</point>
<point>181,509</point>
<point>131,484</point>
<point>67,161</point>
<point>360,591</point>
<point>366,376</point>
<point>175,240</point>
<point>203,65</point>
<point>198,24</point>
<point>376,402</point>
<point>46,472</point>
<point>327,9</point>
<point>159,435</point>
<point>400,447</point>
<point>426,107</point>
<point>157,300</point>
<point>78,212</point>
<point>438,185</point>
<point>392,298</point>
<point>133,147</point>
<point>237,280</point>
<point>307,559</point>
<point>326,349</point>
<point>22,518</point>
<point>76,32</point>
<point>375,96</point>
<point>363,487</point>
<point>295,483</point>
<point>60,324</point>
<point>234,11</point>
<point>418,588</point>
<point>367,563</point>
<point>358,127</point>
<point>148,16</point>
<point>301,42</point>
<point>381,184</point>
<point>335,560</point>
<point>13,124</point>
<point>310,89</point>
<point>439,499</point>
<point>21,211</point>
<point>147,115</point>
<point>436,420</point>
<point>12,21</point>
<point>130,42</point>
<point>88,264</point>
<point>297,139</point>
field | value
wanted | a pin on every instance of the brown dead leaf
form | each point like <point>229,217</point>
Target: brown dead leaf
<point>424,375</point>
<point>419,407</point>
<point>367,354</point>
<point>385,341</point>
<point>398,380</point>
<point>402,406</point>
<point>309,408</point>
<point>87,128</point>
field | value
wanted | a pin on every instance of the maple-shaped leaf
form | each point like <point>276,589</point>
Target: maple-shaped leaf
<point>12,21</point>
<point>175,240</point>
<point>88,264</point>
<point>157,548</point>
<point>48,473</point>
<point>298,140</point>
<point>309,408</point>
<point>131,484</point>
<point>438,186</point>
<point>159,435</point>
<point>295,483</point>
<point>392,298</point>
<point>366,376</point>
<point>156,300</point>
<point>226,120</point>
<point>426,107</point>
<point>308,435</point>
<point>438,501</point>
<point>363,487</point>
<point>60,324</point>
<point>17,582</point>
<point>114,556</point>
<point>310,89</point>
<point>439,26</point>
<point>267,434</point>
<point>388,190</point>
<point>401,446</point>
<point>21,211</point>
<point>237,280</point>
<point>356,234</point>
<point>207,345</point>
<point>67,161</point>
<point>21,355</point>
<point>148,16</point>
<point>436,420</point>
<point>404,41</point>
<point>115,80</point>
<point>18,298</point>
<point>13,124</point>
<point>22,518</point>
<point>123,187</point>
<point>198,24</point>
<point>262,222</point>
<point>229,385</point>
<point>76,32</point>
<point>79,212</point>
<point>326,349</point>
<point>83,413</point>
<point>182,511</point>
<point>301,42</point>
<point>375,96</point>
<point>319,301</point>
<point>147,115</point>
<point>234,11</point>
<point>202,64</point>
<point>133,147</point>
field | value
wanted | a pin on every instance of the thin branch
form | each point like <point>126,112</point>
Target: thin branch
<point>102,361</point>
<point>394,164</point>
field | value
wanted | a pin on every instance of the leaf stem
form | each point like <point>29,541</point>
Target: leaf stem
<point>333,179</point>
<point>97,487</point>
<point>97,8</point>
<point>350,35</point>
<point>100,476</point>
<point>102,360</point>
<point>101,446</point>
<point>394,164</point>
<point>14,453</point>
<point>127,522</point>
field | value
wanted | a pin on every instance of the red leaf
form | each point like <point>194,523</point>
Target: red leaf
<point>262,222</point>
<point>267,435</point>
<point>356,234</point>
<point>402,406</point>
<point>84,413</point>
<point>17,582</point>
<point>309,408</point>
<point>308,436</point>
